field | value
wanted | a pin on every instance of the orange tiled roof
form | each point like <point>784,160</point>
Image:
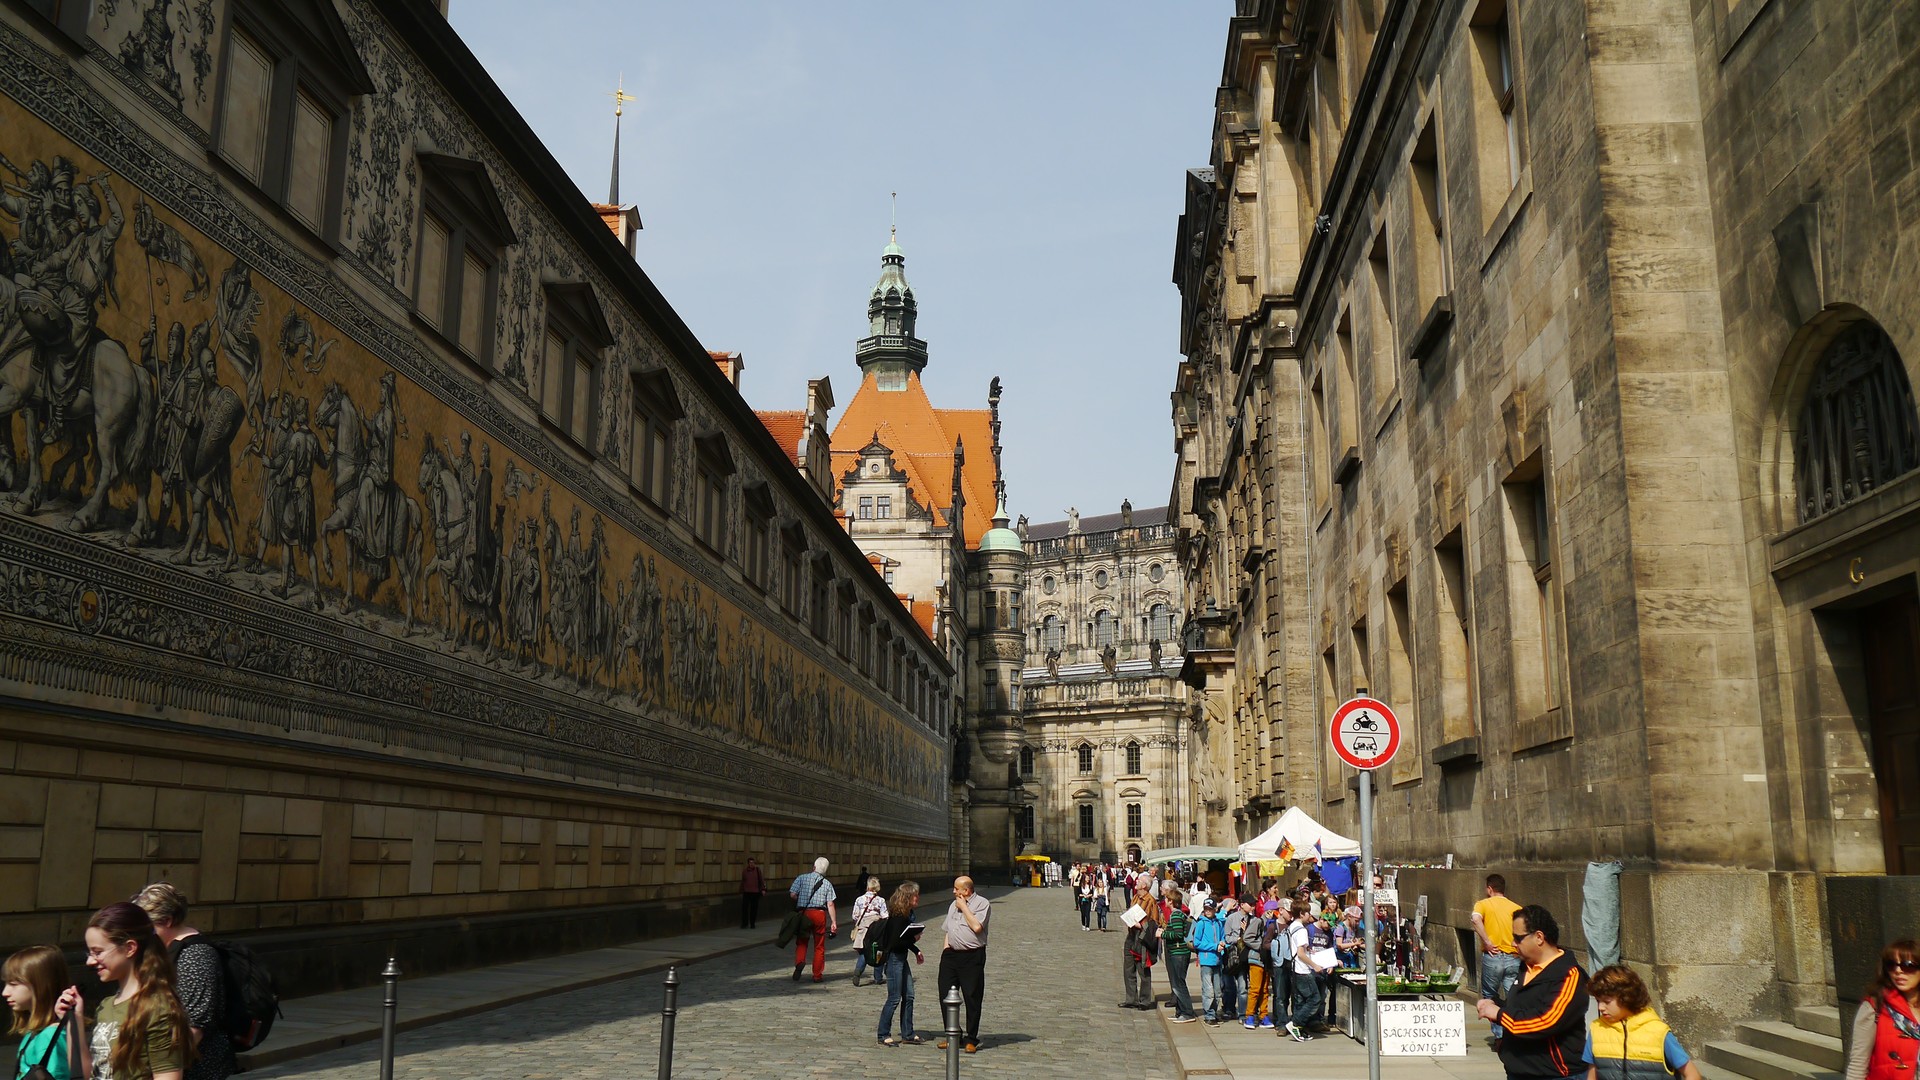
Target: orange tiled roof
<point>787,426</point>
<point>922,612</point>
<point>922,439</point>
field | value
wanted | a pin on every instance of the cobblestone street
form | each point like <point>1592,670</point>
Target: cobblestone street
<point>1051,999</point>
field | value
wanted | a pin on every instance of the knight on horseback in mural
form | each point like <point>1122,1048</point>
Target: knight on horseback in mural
<point>55,364</point>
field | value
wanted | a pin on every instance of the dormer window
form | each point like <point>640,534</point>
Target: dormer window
<point>290,73</point>
<point>577,332</point>
<point>463,232</point>
<point>656,409</point>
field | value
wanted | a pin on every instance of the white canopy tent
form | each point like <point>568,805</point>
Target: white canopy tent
<point>1301,831</point>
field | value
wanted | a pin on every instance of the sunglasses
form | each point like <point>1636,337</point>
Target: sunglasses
<point>1906,966</point>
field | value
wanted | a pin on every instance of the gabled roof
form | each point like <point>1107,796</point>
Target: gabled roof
<point>788,427</point>
<point>922,439</point>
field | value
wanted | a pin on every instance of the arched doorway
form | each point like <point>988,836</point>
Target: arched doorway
<point>1850,552</point>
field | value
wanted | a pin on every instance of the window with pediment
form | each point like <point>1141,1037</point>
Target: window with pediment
<point>1857,423</point>
<point>576,337</point>
<point>289,76</point>
<point>656,411</point>
<point>463,233</point>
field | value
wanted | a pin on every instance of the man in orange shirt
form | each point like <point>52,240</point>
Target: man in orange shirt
<point>1499,960</point>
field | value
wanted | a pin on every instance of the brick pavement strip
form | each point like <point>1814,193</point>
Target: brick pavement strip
<point>1050,1010</point>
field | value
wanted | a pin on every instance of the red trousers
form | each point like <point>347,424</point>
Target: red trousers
<point>814,934</point>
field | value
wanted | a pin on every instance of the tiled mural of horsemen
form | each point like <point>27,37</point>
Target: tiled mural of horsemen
<point>381,523</point>
<point>580,619</point>
<point>199,421</point>
<point>70,380</point>
<point>466,525</point>
<point>243,465</point>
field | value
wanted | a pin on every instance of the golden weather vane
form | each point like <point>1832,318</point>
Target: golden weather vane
<point>620,96</point>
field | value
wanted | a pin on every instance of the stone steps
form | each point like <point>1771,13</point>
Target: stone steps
<point>1824,1019</point>
<point>1742,1060</point>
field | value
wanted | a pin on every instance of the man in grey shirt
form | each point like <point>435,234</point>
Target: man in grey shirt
<point>1233,979</point>
<point>963,962</point>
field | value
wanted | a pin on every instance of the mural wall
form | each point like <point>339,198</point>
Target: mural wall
<point>231,492</point>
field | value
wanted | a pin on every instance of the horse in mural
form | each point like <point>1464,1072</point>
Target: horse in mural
<point>380,522</point>
<point>466,550</point>
<point>114,399</point>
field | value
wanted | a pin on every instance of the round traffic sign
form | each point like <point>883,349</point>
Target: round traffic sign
<point>1365,733</point>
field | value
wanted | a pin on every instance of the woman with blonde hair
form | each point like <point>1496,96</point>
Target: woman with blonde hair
<point>140,1032</point>
<point>867,911</point>
<point>1140,950</point>
<point>199,980</point>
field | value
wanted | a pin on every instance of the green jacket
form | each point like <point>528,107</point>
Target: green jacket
<point>1174,940</point>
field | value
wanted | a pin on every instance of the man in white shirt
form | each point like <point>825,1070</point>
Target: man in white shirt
<point>1197,897</point>
<point>1306,972</point>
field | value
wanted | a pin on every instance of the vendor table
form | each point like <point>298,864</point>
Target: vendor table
<point>1352,1003</point>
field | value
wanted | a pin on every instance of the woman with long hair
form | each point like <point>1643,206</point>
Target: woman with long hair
<point>1142,948</point>
<point>35,977</point>
<point>896,940</point>
<point>140,1032</point>
<point>1886,1030</point>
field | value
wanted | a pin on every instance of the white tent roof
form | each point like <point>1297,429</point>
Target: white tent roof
<point>1294,825</point>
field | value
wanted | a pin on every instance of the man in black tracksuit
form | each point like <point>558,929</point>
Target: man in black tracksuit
<point>1545,1014</point>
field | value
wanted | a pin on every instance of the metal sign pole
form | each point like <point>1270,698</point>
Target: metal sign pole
<point>1367,916</point>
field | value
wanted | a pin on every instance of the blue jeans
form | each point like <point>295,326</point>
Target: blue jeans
<point>1177,979</point>
<point>1498,973</point>
<point>1210,992</point>
<point>899,993</point>
<point>1232,991</point>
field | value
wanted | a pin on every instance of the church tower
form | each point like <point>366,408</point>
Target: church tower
<point>890,351</point>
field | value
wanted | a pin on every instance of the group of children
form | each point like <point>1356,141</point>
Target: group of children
<point>140,1031</point>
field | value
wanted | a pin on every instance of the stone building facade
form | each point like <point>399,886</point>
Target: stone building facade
<point>1103,764</point>
<point>1548,375</point>
<point>381,557</point>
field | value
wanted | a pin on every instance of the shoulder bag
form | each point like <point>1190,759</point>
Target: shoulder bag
<point>794,923</point>
<point>69,1031</point>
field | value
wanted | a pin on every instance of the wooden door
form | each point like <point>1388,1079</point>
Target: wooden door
<point>1891,638</point>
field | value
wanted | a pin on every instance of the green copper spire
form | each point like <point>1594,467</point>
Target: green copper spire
<point>890,350</point>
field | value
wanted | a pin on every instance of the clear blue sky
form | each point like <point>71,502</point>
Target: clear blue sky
<point>1038,149</point>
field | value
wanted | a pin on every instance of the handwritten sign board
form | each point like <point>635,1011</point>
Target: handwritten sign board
<point>1423,1029</point>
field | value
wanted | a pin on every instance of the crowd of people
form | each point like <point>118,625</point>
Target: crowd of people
<point>163,1019</point>
<point>886,936</point>
<point>1267,960</point>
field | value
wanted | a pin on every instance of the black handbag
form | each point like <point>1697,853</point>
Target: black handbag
<point>793,925</point>
<point>39,1071</point>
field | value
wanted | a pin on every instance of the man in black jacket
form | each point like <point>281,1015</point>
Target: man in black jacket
<point>1545,1015</point>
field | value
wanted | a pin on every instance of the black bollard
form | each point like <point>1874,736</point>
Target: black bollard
<point>666,1023</point>
<point>950,1007</point>
<point>390,1015</point>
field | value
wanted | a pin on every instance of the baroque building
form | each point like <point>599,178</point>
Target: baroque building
<point>380,554</point>
<point>1103,765</point>
<point>1548,374</point>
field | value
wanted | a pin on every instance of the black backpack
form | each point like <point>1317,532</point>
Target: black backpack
<point>252,1003</point>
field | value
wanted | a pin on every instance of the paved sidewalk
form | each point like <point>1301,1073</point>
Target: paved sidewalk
<point>314,1025</point>
<point>1233,1052</point>
<point>1050,1012</point>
